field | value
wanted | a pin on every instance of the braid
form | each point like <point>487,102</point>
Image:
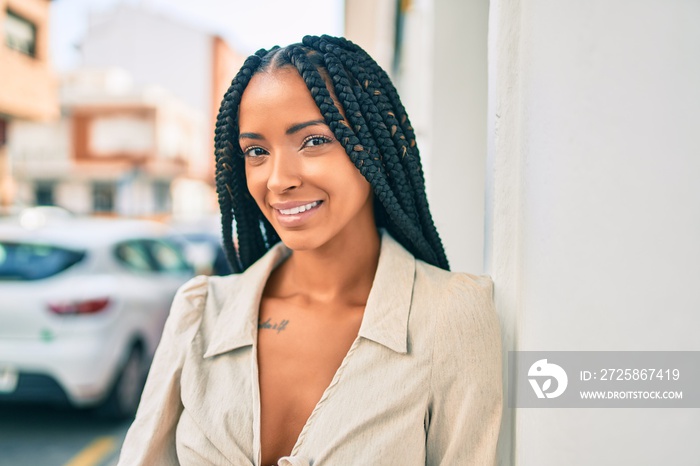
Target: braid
<point>398,118</point>
<point>375,161</point>
<point>373,128</point>
<point>372,102</point>
<point>234,199</point>
<point>380,87</point>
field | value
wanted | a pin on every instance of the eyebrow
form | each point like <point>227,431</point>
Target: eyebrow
<point>249,136</point>
<point>291,130</point>
<point>299,126</point>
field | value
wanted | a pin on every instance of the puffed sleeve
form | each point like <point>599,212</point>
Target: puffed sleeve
<point>151,438</point>
<point>464,413</point>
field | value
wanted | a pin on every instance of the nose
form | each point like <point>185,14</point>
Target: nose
<point>284,172</point>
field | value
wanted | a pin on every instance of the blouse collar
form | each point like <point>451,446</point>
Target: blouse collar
<point>385,320</point>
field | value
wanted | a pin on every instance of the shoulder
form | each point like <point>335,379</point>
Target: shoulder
<point>463,293</point>
<point>195,297</point>
<point>194,294</point>
<point>188,305</point>
<point>196,308</point>
<point>460,309</point>
<point>219,287</point>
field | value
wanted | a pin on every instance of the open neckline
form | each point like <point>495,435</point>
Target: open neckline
<point>257,424</point>
<point>391,335</point>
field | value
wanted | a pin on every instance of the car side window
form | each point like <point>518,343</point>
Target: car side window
<point>167,258</point>
<point>133,255</point>
<point>27,261</point>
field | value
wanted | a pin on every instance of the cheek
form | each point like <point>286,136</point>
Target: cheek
<point>349,182</point>
<point>360,184</point>
<point>256,182</point>
<point>352,178</point>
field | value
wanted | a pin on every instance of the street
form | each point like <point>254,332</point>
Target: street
<point>46,436</point>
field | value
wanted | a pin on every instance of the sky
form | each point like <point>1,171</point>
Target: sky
<point>247,25</point>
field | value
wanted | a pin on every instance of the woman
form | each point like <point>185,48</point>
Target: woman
<point>342,339</point>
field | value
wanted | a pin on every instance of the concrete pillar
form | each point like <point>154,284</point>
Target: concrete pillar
<point>593,207</point>
<point>455,162</point>
<point>370,24</point>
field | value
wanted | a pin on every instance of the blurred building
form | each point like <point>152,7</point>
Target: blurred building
<point>194,65</point>
<point>116,149</point>
<point>27,86</point>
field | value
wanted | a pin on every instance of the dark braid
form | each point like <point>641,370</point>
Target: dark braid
<point>389,183</point>
<point>373,99</point>
<point>375,132</point>
<point>402,133</point>
<point>234,202</point>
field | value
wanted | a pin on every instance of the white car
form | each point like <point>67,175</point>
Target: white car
<point>82,307</point>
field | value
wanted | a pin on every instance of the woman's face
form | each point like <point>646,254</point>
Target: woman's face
<point>299,175</point>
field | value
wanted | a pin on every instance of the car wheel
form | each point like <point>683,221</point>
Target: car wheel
<point>125,394</point>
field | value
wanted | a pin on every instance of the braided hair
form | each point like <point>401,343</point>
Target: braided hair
<point>376,134</point>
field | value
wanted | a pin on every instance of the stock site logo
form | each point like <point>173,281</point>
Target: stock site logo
<point>542,370</point>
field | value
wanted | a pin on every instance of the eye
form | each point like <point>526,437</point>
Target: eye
<point>313,141</point>
<point>254,152</point>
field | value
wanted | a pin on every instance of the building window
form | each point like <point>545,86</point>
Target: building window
<point>103,197</point>
<point>20,34</point>
<point>44,192</point>
<point>162,196</point>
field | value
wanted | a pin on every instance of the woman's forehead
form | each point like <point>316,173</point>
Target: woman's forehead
<point>278,90</point>
<point>275,96</point>
<point>275,76</point>
<point>282,84</point>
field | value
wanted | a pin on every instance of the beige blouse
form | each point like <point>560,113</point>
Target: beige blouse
<point>420,385</point>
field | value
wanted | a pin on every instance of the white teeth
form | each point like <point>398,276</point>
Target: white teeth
<point>301,208</point>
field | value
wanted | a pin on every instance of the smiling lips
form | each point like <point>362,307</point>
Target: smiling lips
<point>295,213</point>
<point>298,209</point>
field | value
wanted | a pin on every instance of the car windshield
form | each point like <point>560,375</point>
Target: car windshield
<point>24,262</point>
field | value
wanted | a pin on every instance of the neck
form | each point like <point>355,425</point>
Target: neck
<point>341,270</point>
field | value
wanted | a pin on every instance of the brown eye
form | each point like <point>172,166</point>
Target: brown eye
<point>254,152</point>
<point>316,141</point>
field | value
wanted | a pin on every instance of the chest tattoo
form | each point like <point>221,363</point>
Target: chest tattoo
<point>269,325</point>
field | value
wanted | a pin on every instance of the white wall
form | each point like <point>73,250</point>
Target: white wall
<point>39,148</point>
<point>455,163</point>
<point>370,24</point>
<point>593,207</point>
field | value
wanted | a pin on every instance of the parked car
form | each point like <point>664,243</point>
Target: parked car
<point>82,307</point>
<point>204,252</point>
<point>201,243</point>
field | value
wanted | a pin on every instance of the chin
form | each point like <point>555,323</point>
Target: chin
<point>300,240</point>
